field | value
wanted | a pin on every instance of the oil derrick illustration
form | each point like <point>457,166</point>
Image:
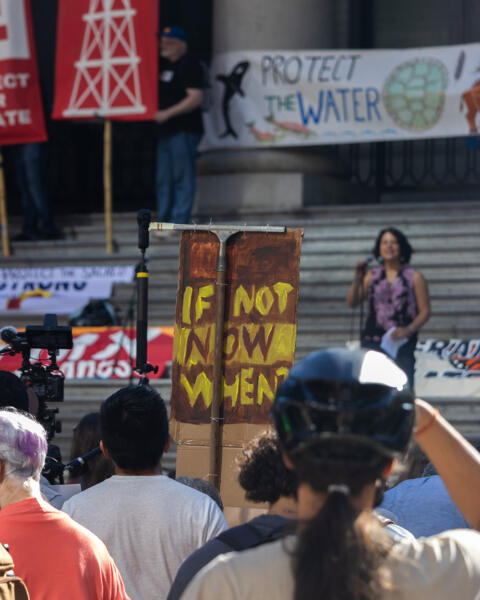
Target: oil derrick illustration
<point>107,80</point>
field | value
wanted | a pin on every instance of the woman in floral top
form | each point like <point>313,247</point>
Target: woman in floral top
<point>397,297</point>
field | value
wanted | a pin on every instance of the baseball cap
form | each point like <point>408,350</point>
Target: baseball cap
<point>173,32</point>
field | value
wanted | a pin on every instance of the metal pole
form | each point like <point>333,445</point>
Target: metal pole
<point>215,465</point>
<point>107,184</point>
<point>142,366</point>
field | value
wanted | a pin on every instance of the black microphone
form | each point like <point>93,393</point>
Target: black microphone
<point>81,460</point>
<point>370,258</point>
<point>11,337</point>
<point>143,220</point>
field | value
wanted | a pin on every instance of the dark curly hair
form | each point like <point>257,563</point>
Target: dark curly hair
<point>263,474</point>
<point>405,249</point>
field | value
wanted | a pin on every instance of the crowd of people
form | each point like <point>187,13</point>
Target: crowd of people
<point>367,491</point>
<point>342,421</point>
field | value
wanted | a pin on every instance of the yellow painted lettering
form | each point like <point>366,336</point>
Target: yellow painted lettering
<point>280,373</point>
<point>246,386</point>
<point>264,300</point>
<point>282,290</point>
<point>206,291</point>
<point>202,386</point>
<point>231,391</point>
<point>264,389</point>
<point>187,304</point>
<point>242,299</point>
<point>199,346</point>
<point>180,344</point>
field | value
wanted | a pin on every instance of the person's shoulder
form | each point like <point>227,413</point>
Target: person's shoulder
<point>187,493</point>
<point>191,65</point>
<point>416,275</point>
<point>85,538</point>
<point>86,496</point>
<point>190,59</point>
<point>455,546</point>
<point>259,559</point>
<point>239,574</point>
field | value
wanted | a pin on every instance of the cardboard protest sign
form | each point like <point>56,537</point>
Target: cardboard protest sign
<point>106,61</point>
<point>259,343</point>
<point>260,324</point>
<point>21,112</point>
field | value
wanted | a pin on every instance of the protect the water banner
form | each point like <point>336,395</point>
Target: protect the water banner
<point>296,98</point>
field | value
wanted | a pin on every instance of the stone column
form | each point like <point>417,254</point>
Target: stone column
<point>277,178</point>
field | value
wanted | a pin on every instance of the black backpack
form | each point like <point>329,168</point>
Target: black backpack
<point>248,536</point>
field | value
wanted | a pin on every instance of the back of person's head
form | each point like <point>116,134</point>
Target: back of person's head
<point>23,446</point>
<point>134,427</point>
<point>86,437</point>
<point>13,391</point>
<point>202,486</point>
<point>341,416</point>
<point>262,472</point>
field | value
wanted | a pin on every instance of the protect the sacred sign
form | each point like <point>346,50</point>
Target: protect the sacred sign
<point>21,112</point>
<point>259,324</point>
<point>106,61</point>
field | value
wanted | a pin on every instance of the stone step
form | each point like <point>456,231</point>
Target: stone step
<point>445,237</point>
<point>316,227</point>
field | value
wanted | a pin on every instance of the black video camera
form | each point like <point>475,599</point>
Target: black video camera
<point>45,380</point>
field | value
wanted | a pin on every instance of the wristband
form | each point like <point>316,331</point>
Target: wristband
<point>426,427</point>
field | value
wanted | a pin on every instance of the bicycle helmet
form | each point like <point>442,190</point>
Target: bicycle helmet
<point>357,396</point>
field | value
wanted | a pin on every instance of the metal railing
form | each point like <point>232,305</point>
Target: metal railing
<point>445,163</point>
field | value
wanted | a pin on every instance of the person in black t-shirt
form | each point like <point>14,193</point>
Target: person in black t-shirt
<point>179,123</point>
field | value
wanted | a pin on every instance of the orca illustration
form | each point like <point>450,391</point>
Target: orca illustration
<point>233,84</point>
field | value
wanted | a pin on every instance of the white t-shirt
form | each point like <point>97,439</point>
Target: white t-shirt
<point>443,567</point>
<point>150,525</point>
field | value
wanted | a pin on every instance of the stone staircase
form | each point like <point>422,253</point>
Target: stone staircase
<point>447,249</point>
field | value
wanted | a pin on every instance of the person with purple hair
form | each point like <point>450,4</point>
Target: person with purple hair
<point>15,394</point>
<point>56,557</point>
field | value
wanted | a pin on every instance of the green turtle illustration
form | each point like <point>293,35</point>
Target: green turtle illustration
<point>414,93</point>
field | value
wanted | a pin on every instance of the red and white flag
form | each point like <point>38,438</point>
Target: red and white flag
<point>106,60</point>
<point>21,112</point>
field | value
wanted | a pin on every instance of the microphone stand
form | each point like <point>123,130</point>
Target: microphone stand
<point>362,302</point>
<point>142,366</point>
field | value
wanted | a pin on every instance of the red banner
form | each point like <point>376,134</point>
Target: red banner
<point>106,60</point>
<point>21,112</point>
<point>104,353</point>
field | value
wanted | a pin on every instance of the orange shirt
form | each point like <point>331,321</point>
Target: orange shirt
<point>56,557</point>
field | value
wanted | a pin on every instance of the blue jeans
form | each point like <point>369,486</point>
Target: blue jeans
<point>175,176</point>
<point>29,163</point>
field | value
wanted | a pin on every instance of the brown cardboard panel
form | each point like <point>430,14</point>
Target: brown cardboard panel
<point>193,461</point>
<point>199,435</point>
<point>261,296</point>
